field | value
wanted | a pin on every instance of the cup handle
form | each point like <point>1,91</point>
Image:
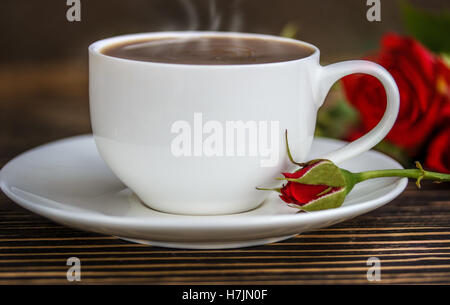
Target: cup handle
<point>328,75</point>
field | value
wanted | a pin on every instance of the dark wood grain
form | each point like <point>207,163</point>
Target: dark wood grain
<point>411,235</point>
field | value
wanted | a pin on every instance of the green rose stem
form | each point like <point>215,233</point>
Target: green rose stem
<point>419,174</point>
<point>320,184</point>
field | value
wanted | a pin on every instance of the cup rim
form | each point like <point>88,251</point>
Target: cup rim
<point>96,47</point>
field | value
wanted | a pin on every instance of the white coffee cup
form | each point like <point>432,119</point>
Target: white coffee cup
<point>140,111</point>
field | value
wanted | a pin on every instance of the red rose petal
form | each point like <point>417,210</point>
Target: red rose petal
<point>438,156</point>
<point>299,173</point>
<point>304,193</point>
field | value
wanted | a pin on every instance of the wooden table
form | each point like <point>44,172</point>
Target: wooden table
<point>411,235</point>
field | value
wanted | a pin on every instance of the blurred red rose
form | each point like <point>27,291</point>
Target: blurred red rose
<point>423,81</point>
<point>443,87</point>
<point>438,155</point>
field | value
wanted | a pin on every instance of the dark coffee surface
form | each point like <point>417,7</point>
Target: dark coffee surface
<point>209,50</point>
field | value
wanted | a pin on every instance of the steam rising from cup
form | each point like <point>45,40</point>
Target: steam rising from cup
<point>215,15</point>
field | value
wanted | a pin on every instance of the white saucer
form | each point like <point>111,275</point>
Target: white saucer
<point>68,182</point>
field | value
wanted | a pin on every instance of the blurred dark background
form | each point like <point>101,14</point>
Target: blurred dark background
<point>43,56</point>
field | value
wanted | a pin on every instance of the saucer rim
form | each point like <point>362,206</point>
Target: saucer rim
<point>201,222</point>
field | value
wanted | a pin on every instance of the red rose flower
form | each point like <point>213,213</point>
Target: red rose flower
<point>438,156</point>
<point>423,82</point>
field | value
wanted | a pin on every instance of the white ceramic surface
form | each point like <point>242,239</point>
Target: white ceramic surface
<point>135,104</point>
<point>68,182</point>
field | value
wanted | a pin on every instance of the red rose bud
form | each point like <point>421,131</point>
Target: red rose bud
<point>318,185</point>
<point>321,184</point>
